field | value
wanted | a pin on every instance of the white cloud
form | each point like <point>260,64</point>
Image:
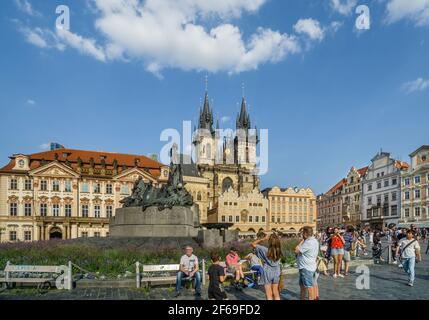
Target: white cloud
<point>414,10</point>
<point>31,102</point>
<point>344,7</point>
<point>169,33</point>
<point>45,146</point>
<point>335,26</point>
<point>174,34</point>
<point>83,45</point>
<point>311,28</point>
<point>419,84</point>
<point>26,7</point>
<point>225,119</point>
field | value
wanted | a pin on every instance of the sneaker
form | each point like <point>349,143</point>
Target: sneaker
<point>335,275</point>
<point>395,262</point>
<point>400,265</point>
<point>340,275</point>
<point>410,284</point>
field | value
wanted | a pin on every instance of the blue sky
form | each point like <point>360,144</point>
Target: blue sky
<point>330,95</point>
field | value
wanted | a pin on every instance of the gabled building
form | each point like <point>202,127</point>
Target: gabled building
<point>381,191</point>
<point>330,207</point>
<point>351,197</point>
<point>415,190</point>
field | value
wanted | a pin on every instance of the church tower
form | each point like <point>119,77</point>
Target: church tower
<point>204,139</point>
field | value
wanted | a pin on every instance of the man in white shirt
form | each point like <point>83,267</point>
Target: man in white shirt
<point>409,251</point>
<point>307,252</point>
<point>189,269</point>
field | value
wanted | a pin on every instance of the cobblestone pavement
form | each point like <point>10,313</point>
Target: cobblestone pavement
<point>387,282</point>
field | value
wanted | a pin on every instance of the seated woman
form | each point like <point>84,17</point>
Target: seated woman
<point>233,264</point>
<point>255,264</point>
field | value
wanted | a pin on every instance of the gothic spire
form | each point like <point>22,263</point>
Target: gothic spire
<point>243,119</point>
<point>206,115</point>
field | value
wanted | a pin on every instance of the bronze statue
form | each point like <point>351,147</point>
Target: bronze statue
<point>173,194</point>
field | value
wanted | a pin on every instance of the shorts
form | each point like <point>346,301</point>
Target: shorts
<point>232,269</point>
<point>346,257</point>
<point>335,251</point>
<point>270,275</point>
<point>306,278</point>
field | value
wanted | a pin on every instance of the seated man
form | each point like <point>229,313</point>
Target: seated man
<point>189,270</point>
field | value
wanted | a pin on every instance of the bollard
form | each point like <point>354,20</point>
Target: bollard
<point>204,272</point>
<point>69,277</point>
<point>138,274</point>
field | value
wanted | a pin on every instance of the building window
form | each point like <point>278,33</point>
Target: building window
<point>386,197</point>
<point>394,181</point>
<point>84,234</point>
<point>257,219</point>
<point>407,195</point>
<point>407,181</point>
<point>230,218</point>
<point>407,212</point>
<point>68,210</point>
<point>199,196</point>
<point>394,210</point>
<point>250,219</point>
<point>109,189</point>
<point>43,185</point>
<point>417,179</point>
<point>97,188</point>
<point>417,212</point>
<point>386,183</point>
<point>27,235</point>
<point>97,211</point>
<point>370,187</point>
<point>369,201</point>
<point>56,186</point>
<point>43,209</point>
<point>13,184</point>
<point>263,218</point>
<point>379,185</point>
<point>273,219</point>
<point>67,186</point>
<point>417,193</point>
<point>97,234</point>
<point>85,210</point>
<point>27,209</point>
<point>84,187</point>
<point>28,185</point>
<point>13,209</point>
<point>237,218</point>
<point>394,196</point>
<point>223,219</point>
<point>56,210</point>
<point>12,235</point>
<point>109,211</point>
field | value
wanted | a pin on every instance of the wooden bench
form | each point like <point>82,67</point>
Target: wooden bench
<point>162,273</point>
<point>43,283</point>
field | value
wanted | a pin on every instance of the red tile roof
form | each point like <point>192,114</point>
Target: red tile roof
<point>72,157</point>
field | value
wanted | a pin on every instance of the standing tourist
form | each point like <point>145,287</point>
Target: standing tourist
<point>349,239</point>
<point>216,278</point>
<point>189,270</point>
<point>234,267</point>
<point>409,251</point>
<point>337,251</point>
<point>307,252</point>
<point>272,269</point>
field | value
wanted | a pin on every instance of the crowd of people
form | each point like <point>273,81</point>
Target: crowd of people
<point>314,253</point>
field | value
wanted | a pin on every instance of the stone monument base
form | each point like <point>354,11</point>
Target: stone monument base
<point>177,222</point>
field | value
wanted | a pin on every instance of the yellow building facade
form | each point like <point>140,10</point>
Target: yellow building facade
<point>290,209</point>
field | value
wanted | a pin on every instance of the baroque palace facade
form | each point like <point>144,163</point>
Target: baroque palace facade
<point>68,193</point>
